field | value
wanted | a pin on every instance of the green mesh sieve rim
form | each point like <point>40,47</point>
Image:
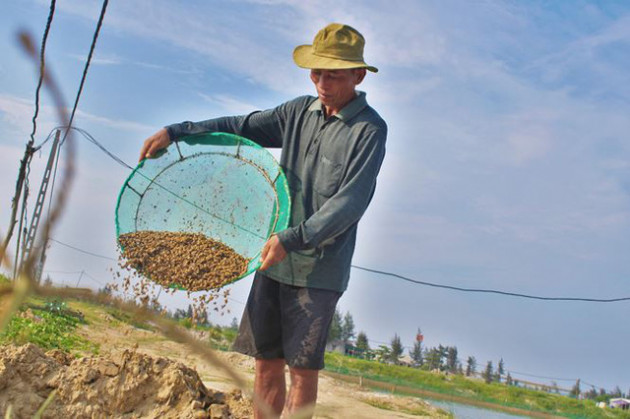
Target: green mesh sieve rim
<point>216,145</point>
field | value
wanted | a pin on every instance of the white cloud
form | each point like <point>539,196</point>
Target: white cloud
<point>111,60</point>
<point>230,104</point>
<point>17,113</point>
<point>196,30</point>
<point>115,123</point>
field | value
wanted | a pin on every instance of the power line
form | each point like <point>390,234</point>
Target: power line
<point>542,376</point>
<point>76,101</point>
<point>62,272</point>
<point>22,183</point>
<point>394,275</point>
<point>87,63</point>
<point>93,140</point>
<point>423,283</point>
<point>492,291</point>
<point>81,250</point>
<point>42,64</point>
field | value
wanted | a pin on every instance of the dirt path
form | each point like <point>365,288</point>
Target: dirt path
<point>337,399</point>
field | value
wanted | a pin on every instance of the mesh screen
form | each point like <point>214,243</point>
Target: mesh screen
<point>222,185</point>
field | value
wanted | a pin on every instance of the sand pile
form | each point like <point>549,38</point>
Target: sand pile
<point>131,385</point>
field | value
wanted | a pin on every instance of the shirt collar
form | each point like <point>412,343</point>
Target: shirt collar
<point>349,111</point>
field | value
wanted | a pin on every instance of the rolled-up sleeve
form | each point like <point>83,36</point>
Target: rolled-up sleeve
<point>347,205</point>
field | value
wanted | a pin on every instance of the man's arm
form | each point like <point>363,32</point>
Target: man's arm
<point>263,127</point>
<point>345,207</point>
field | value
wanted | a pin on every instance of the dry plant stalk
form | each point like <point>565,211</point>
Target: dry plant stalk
<point>24,285</point>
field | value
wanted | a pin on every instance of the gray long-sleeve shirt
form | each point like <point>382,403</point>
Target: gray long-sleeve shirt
<point>331,167</point>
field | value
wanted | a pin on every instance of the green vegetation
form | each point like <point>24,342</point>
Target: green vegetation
<point>406,379</point>
<point>220,338</point>
<point>48,324</point>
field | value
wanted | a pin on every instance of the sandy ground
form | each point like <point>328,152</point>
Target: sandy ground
<point>336,399</point>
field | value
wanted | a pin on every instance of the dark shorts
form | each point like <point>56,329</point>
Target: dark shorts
<point>284,321</point>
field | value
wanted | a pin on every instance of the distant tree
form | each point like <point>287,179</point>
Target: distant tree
<point>616,393</point>
<point>382,353</point>
<point>179,314</point>
<point>183,314</point>
<point>396,349</point>
<point>575,390</point>
<point>105,291</point>
<point>433,359</point>
<point>362,342</point>
<point>451,359</point>
<point>590,394</point>
<point>488,373</point>
<point>335,327</point>
<point>347,328</point>
<point>508,379</point>
<point>443,350</point>
<point>496,377</point>
<point>48,283</point>
<point>234,324</point>
<point>500,370</point>
<point>471,366</point>
<point>416,353</point>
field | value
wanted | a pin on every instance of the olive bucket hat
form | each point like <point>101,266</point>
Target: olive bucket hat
<point>335,47</point>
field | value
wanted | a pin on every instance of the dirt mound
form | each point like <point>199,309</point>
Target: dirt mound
<point>133,385</point>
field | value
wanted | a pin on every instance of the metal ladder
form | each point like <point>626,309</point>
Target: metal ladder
<point>37,212</point>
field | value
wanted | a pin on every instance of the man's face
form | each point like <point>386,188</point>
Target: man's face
<point>335,88</point>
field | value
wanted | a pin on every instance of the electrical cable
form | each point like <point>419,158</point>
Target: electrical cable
<point>394,275</point>
<point>81,250</point>
<point>423,283</point>
<point>87,65</point>
<point>542,376</point>
<point>48,137</point>
<point>491,291</point>
<point>42,64</point>
<point>76,101</point>
<point>93,140</point>
<point>28,155</point>
<point>62,272</point>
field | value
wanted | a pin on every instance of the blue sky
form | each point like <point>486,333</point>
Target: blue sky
<point>507,167</point>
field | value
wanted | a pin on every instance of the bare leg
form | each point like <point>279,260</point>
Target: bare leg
<point>303,392</point>
<point>270,385</point>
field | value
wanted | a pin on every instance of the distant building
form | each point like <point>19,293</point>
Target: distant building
<point>405,360</point>
<point>336,345</point>
<point>623,404</point>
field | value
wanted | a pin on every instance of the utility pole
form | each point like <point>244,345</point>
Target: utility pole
<point>79,280</point>
<point>37,213</point>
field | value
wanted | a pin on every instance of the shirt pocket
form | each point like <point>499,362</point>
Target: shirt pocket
<point>327,177</point>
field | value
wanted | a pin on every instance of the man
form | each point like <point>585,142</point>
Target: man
<point>332,150</point>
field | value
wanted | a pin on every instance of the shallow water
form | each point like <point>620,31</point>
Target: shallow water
<point>462,411</point>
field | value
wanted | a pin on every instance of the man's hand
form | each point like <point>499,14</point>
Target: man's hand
<point>154,143</point>
<point>273,252</point>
